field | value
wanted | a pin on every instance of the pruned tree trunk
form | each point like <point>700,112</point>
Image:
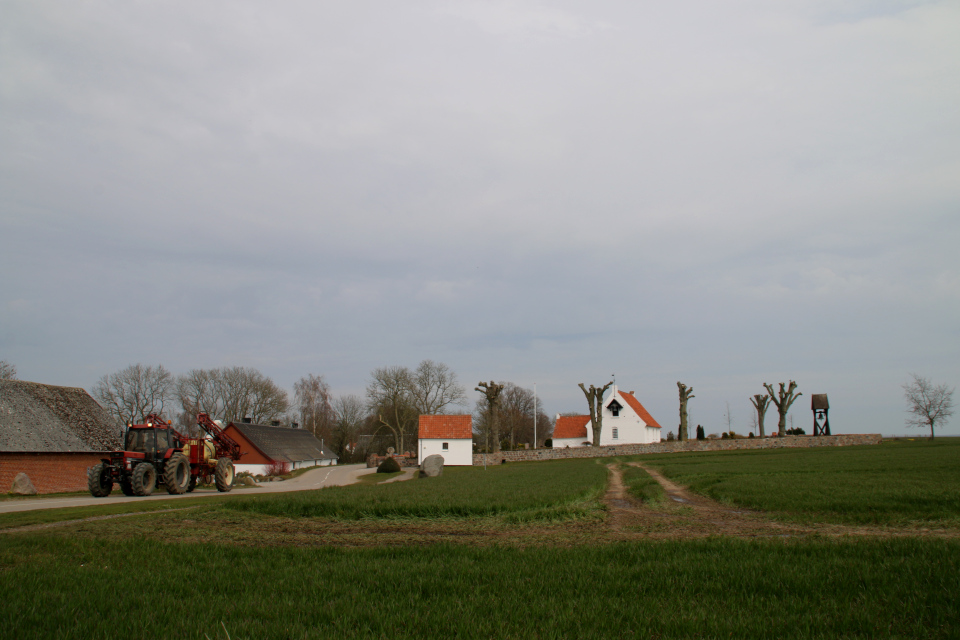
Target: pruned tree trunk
<point>595,400</point>
<point>685,394</point>
<point>492,391</point>
<point>760,402</point>
<point>782,400</point>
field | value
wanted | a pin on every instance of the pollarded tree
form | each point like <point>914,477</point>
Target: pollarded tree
<point>685,394</point>
<point>133,393</point>
<point>782,400</point>
<point>491,390</point>
<point>595,401</point>
<point>760,402</point>
<point>930,405</point>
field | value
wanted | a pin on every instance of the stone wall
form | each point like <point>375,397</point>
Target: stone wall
<point>49,472</point>
<point>676,446</point>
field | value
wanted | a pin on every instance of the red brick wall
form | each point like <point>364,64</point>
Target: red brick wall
<point>49,472</point>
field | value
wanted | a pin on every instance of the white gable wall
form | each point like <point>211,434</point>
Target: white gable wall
<point>459,451</point>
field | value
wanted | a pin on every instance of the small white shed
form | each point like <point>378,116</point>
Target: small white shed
<point>448,436</point>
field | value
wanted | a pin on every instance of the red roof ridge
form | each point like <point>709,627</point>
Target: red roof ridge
<point>631,400</point>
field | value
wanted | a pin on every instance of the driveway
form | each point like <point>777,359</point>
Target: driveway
<point>314,479</point>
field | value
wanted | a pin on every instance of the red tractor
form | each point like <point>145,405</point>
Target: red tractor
<point>155,453</point>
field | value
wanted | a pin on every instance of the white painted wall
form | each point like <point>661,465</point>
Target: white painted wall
<point>459,452</point>
<point>563,443</point>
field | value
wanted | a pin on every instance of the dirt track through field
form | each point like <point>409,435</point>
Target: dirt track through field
<point>684,514</point>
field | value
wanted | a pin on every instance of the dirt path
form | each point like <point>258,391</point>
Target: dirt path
<point>684,514</point>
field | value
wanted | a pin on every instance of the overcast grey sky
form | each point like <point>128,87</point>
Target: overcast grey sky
<point>723,193</point>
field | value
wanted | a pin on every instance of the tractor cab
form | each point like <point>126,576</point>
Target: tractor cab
<point>152,442</point>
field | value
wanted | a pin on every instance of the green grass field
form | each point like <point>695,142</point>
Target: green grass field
<point>896,483</point>
<point>519,551</point>
<point>520,492</point>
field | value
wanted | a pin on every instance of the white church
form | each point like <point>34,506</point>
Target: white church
<point>625,421</point>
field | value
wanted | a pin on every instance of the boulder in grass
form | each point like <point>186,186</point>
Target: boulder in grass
<point>22,485</point>
<point>432,466</point>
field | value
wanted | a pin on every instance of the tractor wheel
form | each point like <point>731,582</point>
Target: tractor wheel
<point>99,480</point>
<point>224,474</point>
<point>144,479</point>
<point>126,486</point>
<point>192,485</point>
<point>176,475</point>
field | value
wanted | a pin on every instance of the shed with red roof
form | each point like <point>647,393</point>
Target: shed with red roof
<point>447,436</point>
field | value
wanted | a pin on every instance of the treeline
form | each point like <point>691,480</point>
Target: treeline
<point>349,425</point>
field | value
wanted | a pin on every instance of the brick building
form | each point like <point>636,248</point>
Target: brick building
<point>53,434</point>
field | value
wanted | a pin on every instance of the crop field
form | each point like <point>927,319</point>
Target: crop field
<point>899,483</point>
<point>578,548</point>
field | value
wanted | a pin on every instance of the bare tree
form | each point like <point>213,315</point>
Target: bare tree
<point>313,402</point>
<point>8,371</point>
<point>760,402</point>
<point>685,394</point>
<point>782,400</point>
<point>389,398</point>
<point>728,418</point>
<point>516,415</point>
<point>434,388</point>
<point>929,404</point>
<point>231,394</point>
<point>349,415</point>
<point>491,390</point>
<point>133,393</point>
<point>595,401</point>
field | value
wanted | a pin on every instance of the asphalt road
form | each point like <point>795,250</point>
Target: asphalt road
<point>314,479</point>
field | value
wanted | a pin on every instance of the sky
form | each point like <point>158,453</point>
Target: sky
<point>549,193</point>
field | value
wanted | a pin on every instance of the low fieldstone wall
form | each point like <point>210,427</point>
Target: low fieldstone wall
<point>676,446</point>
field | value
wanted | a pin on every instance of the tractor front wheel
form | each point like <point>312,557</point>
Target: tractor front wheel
<point>224,474</point>
<point>176,474</point>
<point>126,486</point>
<point>144,479</point>
<point>99,480</point>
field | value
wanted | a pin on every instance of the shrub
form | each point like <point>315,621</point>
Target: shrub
<point>670,436</point>
<point>548,443</point>
<point>389,465</point>
<point>278,468</point>
<point>796,432</point>
<point>700,433</point>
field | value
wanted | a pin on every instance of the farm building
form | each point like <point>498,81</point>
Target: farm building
<point>625,421</point>
<point>53,434</point>
<point>448,436</point>
<point>262,446</point>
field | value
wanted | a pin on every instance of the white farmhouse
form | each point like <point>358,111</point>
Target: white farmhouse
<point>448,436</point>
<point>625,421</point>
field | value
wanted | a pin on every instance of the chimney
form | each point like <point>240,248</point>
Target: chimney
<point>247,420</point>
<point>295,425</point>
<point>630,392</point>
<point>274,423</point>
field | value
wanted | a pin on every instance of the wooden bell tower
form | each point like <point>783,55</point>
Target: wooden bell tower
<point>821,408</point>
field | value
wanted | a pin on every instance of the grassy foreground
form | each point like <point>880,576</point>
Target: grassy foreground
<point>897,483</point>
<point>61,588</point>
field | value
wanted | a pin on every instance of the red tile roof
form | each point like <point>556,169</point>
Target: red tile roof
<point>452,427</point>
<point>571,427</point>
<point>630,399</point>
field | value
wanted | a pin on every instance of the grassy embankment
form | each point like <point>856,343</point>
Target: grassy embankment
<point>899,483</point>
<point>137,577</point>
